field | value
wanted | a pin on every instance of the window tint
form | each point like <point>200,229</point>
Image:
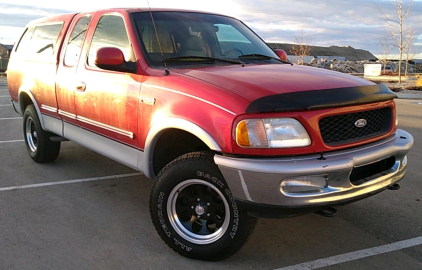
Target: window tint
<point>74,45</point>
<point>44,39</point>
<point>110,32</point>
<point>26,38</point>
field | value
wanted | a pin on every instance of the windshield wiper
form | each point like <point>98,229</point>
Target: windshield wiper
<point>200,59</point>
<point>257,56</point>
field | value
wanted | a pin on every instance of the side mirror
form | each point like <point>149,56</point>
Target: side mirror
<point>282,54</point>
<point>111,58</point>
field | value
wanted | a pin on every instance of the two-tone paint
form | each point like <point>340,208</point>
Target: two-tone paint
<point>125,116</point>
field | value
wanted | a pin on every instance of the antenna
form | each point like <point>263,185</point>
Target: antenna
<point>166,71</point>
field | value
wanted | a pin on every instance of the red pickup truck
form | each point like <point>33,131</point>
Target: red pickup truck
<point>228,128</point>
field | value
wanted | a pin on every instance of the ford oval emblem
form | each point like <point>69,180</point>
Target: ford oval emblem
<point>361,123</point>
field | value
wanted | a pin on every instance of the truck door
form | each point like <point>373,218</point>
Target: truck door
<point>67,83</point>
<point>106,101</point>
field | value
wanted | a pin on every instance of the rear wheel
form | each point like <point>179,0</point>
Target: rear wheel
<point>40,148</point>
<point>194,211</point>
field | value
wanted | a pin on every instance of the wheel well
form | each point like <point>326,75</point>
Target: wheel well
<point>172,144</point>
<point>24,101</point>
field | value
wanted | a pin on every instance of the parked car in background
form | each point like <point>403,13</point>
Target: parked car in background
<point>387,70</point>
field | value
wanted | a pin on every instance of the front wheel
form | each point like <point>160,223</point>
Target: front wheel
<point>194,211</point>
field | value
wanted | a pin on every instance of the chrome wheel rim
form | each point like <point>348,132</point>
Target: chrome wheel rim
<point>198,211</point>
<point>31,134</point>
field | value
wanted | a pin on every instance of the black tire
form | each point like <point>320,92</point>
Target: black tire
<point>193,186</point>
<point>40,148</point>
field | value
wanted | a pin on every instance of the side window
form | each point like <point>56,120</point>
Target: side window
<point>26,38</point>
<point>44,39</point>
<point>110,32</point>
<point>75,43</point>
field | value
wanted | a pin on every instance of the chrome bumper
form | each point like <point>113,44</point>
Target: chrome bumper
<point>259,180</point>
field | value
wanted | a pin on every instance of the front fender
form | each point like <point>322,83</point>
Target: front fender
<point>145,163</point>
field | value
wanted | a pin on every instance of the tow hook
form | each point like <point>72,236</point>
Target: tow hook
<point>327,212</point>
<point>394,187</point>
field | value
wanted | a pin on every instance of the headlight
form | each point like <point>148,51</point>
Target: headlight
<point>271,133</point>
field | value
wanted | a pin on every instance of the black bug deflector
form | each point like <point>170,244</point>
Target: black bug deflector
<point>321,99</point>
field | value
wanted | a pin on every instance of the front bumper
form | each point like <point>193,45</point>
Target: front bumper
<point>256,182</point>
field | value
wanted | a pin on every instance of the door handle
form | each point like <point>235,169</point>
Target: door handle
<point>81,86</point>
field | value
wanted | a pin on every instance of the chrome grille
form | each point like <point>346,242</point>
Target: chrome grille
<point>343,128</point>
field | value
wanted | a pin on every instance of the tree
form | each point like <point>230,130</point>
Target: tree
<point>387,47</point>
<point>302,47</point>
<point>397,26</point>
<point>410,48</point>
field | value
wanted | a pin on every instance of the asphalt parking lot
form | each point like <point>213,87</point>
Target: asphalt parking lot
<point>85,211</point>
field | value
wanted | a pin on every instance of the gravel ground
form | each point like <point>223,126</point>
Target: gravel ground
<point>411,85</point>
<point>405,87</point>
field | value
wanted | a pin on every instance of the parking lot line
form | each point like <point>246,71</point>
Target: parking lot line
<point>69,181</point>
<point>13,141</point>
<point>4,105</point>
<point>11,118</point>
<point>356,255</point>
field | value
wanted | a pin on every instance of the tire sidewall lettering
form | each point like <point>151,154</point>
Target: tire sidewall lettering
<point>161,215</point>
<point>181,245</point>
<point>235,213</point>
<point>211,178</point>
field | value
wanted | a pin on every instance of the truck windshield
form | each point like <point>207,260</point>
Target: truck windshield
<point>188,38</point>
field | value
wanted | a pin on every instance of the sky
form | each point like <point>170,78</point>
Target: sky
<point>357,23</point>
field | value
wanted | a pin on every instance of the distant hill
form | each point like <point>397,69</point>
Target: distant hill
<point>349,52</point>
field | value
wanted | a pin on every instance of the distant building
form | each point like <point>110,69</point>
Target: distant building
<point>5,51</point>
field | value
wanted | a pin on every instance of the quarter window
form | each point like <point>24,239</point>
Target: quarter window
<point>44,39</point>
<point>26,38</point>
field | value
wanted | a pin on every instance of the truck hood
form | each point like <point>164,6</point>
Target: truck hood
<point>255,81</point>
